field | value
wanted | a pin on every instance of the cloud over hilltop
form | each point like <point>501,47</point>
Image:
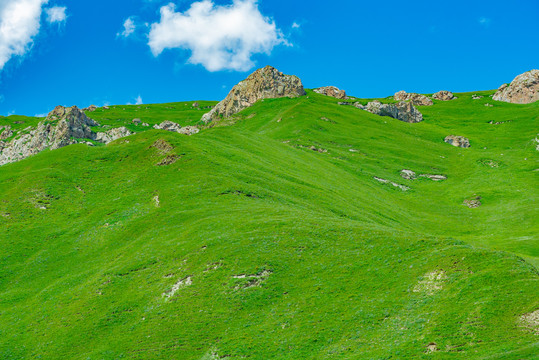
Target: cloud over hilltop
<point>219,37</point>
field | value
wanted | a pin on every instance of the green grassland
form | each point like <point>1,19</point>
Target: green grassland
<point>184,113</point>
<point>252,245</point>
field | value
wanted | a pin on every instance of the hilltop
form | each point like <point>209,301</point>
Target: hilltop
<point>295,227</point>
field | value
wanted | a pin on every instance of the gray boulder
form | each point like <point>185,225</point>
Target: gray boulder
<point>173,127</point>
<point>402,111</point>
<point>415,99</point>
<point>444,95</point>
<point>408,174</point>
<point>266,83</point>
<point>331,91</point>
<point>113,134</point>
<point>458,141</point>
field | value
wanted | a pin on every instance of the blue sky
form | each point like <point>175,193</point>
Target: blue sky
<point>82,52</point>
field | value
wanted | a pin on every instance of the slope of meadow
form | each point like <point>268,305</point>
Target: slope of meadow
<point>270,238</point>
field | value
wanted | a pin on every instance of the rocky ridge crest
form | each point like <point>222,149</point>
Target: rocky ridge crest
<point>331,91</point>
<point>415,99</point>
<point>403,111</point>
<point>265,83</point>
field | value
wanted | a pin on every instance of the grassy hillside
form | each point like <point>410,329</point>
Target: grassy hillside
<point>272,239</point>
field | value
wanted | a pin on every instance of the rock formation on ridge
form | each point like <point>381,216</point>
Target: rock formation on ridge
<point>265,83</point>
<point>524,89</point>
<point>402,111</point>
<point>444,95</point>
<point>331,91</point>
<point>63,126</point>
<point>415,99</point>
<point>113,134</point>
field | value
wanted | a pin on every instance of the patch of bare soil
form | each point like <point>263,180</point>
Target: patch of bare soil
<point>163,146</point>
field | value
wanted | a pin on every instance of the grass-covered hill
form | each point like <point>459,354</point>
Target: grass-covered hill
<point>268,237</point>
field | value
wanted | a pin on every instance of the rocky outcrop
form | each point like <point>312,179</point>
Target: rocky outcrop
<point>458,141</point>
<point>434,177</point>
<point>90,108</point>
<point>473,202</point>
<point>411,175</point>
<point>444,95</point>
<point>173,127</point>
<point>113,134</point>
<point>63,126</point>
<point>5,132</point>
<point>266,83</point>
<point>408,174</point>
<point>331,91</point>
<point>524,89</point>
<point>415,99</point>
<point>72,123</point>
<point>402,111</point>
<point>384,181</point>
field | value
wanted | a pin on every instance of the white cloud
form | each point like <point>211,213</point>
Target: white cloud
<point>295,25</point>
<point>41,115</point>
<point>139,100</point>
<point>129,27</point>
<point>19,24</point>
<point>483,21</point>
<point>219,37</point>
<point>56,14</point>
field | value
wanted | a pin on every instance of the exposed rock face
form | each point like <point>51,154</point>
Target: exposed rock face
<point>458,141</point>
<point>444,95</point>
<point>524,89</point>
<point>402,111</point>
<point>415,99</point>
<point>63,126</point>
<point>266,83</point>
<point>113,134</point>
<point>6,132</point>
<point>331,91</point>
<point>72,123</point>
<point>172,126</point>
